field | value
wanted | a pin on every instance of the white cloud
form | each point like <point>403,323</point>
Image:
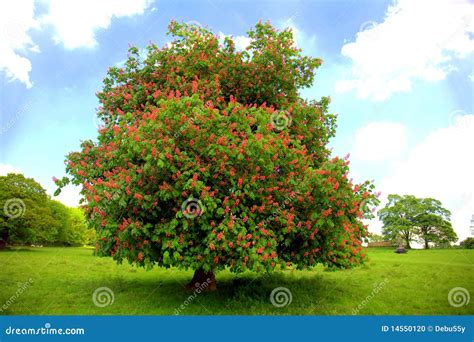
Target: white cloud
<point>441,166</point>
<point>16,21</point>
<point>75,23</point>
<point>70,195</point>
<point>417,40</point>
<point>379,141</point>
<point>7,168</point>
<point>241,42</point>
<point>301,39</point>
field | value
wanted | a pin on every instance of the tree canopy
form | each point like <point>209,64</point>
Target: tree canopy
<point>208,158</point>
<point>416,219</point>
<point>29,216</point>
<point>25,214</point>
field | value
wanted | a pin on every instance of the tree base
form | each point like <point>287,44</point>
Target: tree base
<point>204,281</point>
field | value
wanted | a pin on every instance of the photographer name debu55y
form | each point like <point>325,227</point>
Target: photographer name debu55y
<point>450,329</point>
<point>424,328</point>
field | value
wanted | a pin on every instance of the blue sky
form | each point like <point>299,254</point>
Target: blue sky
<point>399,75</point>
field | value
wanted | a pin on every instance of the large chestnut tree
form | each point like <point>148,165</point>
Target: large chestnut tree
<point>208,158</point>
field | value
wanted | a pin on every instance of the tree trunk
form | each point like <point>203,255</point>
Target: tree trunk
<point>426,244</point>
<point>407,242</point>
<point>3,240</point>
<point>205,281</point>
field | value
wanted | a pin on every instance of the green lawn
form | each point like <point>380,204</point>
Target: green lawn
<point>64,280</point>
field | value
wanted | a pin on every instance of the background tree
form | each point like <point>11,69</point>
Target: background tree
<point>412,218</point>
<point>70,226</point>
<point>373,237</point>
<point>208,158</point>
<point>25,215</point>
<point>467,243</point>
<point>79,232</point>
<point>433,223</point>
<point>29,216</point>
<point>62,224</point>
<point>398,218</point>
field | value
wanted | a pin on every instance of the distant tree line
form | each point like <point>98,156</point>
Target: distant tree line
<point>29,216</point>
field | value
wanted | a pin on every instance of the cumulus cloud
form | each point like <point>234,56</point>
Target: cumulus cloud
<point>379,141</point>
<point>441,166</point>
<point>241,42</point>
<point>75,23</point>
<point>302,39</point>
<point>16,22</point>
<point>417,40</point>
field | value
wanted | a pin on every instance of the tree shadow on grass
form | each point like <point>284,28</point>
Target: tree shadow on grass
<point>164,293</point>
<point>252,294</point>
<point>18,249</point>
<point>236,294</point>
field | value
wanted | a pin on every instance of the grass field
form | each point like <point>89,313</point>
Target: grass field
<point>63,281</point>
